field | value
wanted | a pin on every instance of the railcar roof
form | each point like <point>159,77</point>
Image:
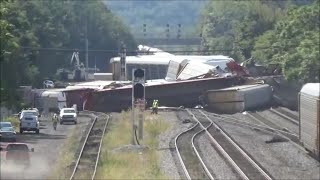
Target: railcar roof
<point>157,59</point>
<point>312,89</point>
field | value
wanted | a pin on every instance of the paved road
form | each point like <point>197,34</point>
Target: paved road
<point>46,146</point>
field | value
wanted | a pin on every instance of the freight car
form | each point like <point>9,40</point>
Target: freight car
<point>239,98</point>
<point>156,65</point>
<point>309,116</point>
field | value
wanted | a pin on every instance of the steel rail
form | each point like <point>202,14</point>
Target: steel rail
<point>101,142</point>
<point>222,151</point>
<point>85,142</point>
<point>264,128</point>
<point>82,148</point>
<point>251,125</point>
<point>277,112</point>
<point>198,154</point>
<point>294,142</point>
<point>253,163</point>
<point>178,151</point>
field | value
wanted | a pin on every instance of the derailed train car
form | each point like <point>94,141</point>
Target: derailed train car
<point>156,66</point>
<point>180,93</point>
<point>239,98</point>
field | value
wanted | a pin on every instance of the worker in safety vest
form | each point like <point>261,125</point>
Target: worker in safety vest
<point>55,120</point>
<point>155,107</point>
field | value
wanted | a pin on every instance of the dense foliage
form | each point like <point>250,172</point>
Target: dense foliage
<point>157,14</point>
<point>282,32</point>
<point>296,43</point>
<point>57,28</point>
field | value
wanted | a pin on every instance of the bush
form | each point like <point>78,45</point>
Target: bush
<point>14,120</point>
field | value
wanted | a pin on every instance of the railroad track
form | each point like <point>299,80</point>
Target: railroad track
<point>264,128</point>
<point>189,157</point>
<point>87,161</point>
<point>293,137</point>
<point>285,115</point>
<point>242,163</point>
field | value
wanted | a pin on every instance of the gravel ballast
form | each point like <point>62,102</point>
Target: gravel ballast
<point>282,160</point>
<point>293,128</point>
<point>217,165</point>
<point>167,153</point>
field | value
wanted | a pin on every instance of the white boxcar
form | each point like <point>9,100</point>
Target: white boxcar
<point>309,116</point>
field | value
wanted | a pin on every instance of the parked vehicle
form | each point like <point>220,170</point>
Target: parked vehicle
<point>68,115</point>
<point>16,153</point>
<point>30,111</point>
<point>7,132</point>
<point>48,84</point>
<point>29,121</point>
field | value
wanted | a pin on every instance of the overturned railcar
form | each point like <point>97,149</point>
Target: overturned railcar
<point>239,98</point>
<point>309,116</point>
<point>180,93</point>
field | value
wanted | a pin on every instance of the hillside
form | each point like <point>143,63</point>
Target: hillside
<point>157,14</point>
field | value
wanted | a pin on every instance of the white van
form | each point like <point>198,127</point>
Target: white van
<point>29,121</point>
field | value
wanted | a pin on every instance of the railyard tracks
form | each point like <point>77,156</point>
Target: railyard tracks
<point>87,161</point>
<point>286,115</point>
<point>184,144</point>
<point>244,165</point>
<point>291,136</point>
<point>265,128</point>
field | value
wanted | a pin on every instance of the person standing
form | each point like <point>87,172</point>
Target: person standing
<point>155,107</point>
<point>55,121</point>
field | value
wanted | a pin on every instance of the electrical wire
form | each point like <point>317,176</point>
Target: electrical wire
<point>150,52</point>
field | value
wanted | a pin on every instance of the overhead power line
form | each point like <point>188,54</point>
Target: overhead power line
<point>134,51</point>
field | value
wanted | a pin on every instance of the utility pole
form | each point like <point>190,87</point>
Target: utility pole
<point>95,64</point>
<point>179,31</point>
<point>168,31</point>
<point>123,76</point>
<point>144,30</point>
<point>86,36</point>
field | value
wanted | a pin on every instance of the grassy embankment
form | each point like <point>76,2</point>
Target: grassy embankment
<point>126,164</point>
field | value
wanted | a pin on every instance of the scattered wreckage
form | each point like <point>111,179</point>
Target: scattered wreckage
<point>175,80</point>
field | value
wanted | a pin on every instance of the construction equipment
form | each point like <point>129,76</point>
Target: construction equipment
<point>79,73</point>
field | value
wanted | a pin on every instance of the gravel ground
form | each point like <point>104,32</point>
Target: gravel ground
<point>215,162</point>
<point>46,150</point>
<point>282,160</point>
<point>169,163</point>
<point>242,117</point>
<point>293,128</point>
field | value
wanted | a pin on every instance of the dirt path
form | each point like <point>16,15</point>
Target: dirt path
<point>46,146</point>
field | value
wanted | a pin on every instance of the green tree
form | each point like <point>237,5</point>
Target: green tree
<point>294,43</point>
<point>233,26</point>
<point>28,25</point>
<point>156,14</point>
